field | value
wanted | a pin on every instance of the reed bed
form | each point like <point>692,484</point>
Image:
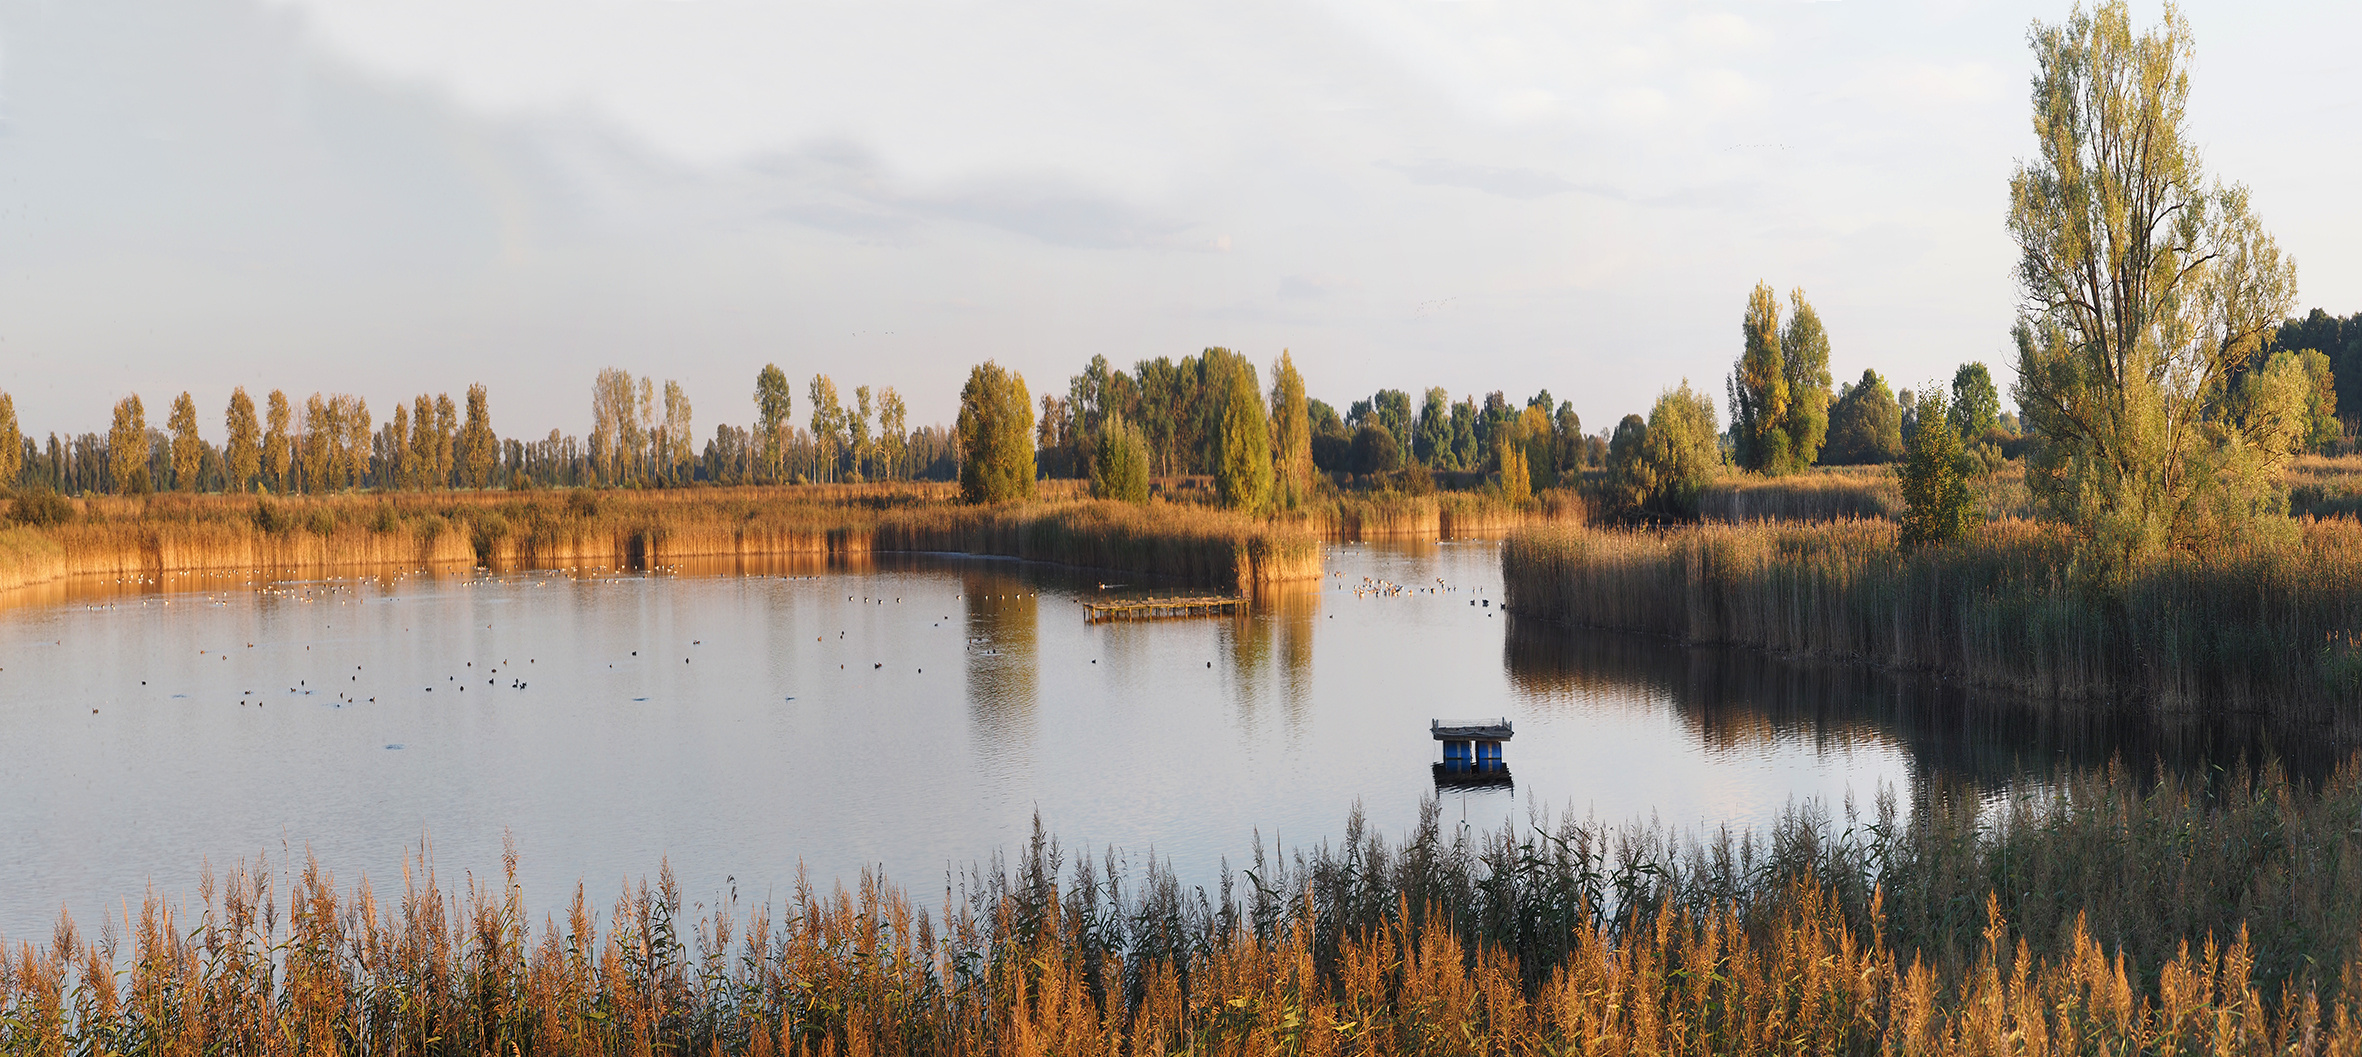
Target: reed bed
<point>2325,487</point>
<point>1356,517</point>
<point>2261,628</point>
<point>1843,493</point>
<point>2111,913</point>
<point>116,537</point>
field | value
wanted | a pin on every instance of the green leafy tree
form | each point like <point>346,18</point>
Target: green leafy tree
<point>1938,504</point>
<point>1865,425</point>
<point>893,431</point>
<point>1243,474</point>
<point>1976,404</point>
<point>479,447</point>
<point>1630,479</point>
<point>2145,285</point>
<point>188,449</point>
<point>1291,436</point>
<point>774,409</point>
<point>352,445</point>
<point>1683,450</point>
<point>278,447</point>
<point>1119,462</point>
<point>447,437</point>
<point>419,461</point>
<point>995,430</point>
<point>1374,450</point>
<point>127,447</point>
<point>1431,441</point>
<point>1759,389</point>
<point>2322,427</point>
<point>1804,364</point>
<point>12,445</point>
<point>242,456</point>
<point>828,424</point>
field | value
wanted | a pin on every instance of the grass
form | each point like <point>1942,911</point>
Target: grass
<point>2109,913</point>
<point>147,537</point>
<point>2260,628</point>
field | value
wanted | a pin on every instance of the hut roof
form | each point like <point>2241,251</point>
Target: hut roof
<point>1471,730</point>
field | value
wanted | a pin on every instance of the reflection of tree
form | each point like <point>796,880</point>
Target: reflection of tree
<point>1283,613</point>
<point>1733,698</point>
<point>1002,613</point>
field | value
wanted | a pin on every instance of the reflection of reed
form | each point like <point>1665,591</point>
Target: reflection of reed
<point>1735,698</point>
<point>1002,614</point>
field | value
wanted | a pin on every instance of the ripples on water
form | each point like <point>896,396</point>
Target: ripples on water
<point>912,714</point>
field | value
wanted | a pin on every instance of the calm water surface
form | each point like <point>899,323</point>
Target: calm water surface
<point>913,715</point>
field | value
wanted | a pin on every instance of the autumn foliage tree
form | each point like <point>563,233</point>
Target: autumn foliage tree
<point>995,431</point>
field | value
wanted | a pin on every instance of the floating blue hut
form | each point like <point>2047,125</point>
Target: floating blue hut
<point>1472,751</point>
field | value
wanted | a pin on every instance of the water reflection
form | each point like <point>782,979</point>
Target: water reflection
<point>1736,701</point>
<point>1003,612</point>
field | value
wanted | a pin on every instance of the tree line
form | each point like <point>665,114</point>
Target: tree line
<point>641,436</point>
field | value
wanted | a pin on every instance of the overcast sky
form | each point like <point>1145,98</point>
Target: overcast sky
<point>392,196</point>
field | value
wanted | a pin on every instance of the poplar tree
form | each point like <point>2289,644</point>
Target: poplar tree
<point>828,425</point>
<point>403,469</point>
<point>12,444</point>
<point>1119,462</point>
<point>1938,505</point>
<point>446,439</point>
<point>995,431</point>
<point>278,449</point>
<point>422,443</point>
<point>127,447</point>
<point>188,449</point>
<point>1291,436</point>
<point>857,432</point>
<point>480,445</point>
<point>2145,284</point>
<point>320,434</point>
<point>242,454</point>
<point>1804,363</point>
<point>774,409</point>
<point>893,425</point>
<point>1243,477</point>
<point>1759,389</point>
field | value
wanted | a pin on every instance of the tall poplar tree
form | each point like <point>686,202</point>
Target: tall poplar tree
<point>278,448</point>
<point>12,444</point>
<point>774,409</point>
<point>1291,436</point>
<point>893,426</point>
<point>1759,388</point>
<point>422,443</point>
<point>127,447</point>
<point>446,440</point>
<point>480,445</point>
<point>1804,363</point>
<point>2145,285</point>
<point>242,453</point>
<point>828,424</point>
<point>188,449</point>
<point>1243,469</point>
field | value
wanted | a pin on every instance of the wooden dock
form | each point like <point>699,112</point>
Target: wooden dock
<point>1158,608</point>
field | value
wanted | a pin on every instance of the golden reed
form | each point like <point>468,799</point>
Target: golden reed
<point>2259,628</point>
<point>159,535</point>
<point>1570,938</point>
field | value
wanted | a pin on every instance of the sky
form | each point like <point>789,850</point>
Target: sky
<point>388,197</point>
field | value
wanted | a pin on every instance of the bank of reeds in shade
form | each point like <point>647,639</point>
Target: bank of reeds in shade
<point>2262,629</point>
<point>2106,915</point>
<point>148,538</point>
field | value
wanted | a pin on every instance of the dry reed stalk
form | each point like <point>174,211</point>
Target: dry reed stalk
<point>2258,628</point>
<point>1711,954</point>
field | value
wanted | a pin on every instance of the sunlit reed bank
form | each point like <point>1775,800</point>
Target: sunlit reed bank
<point>1356,516</point>
<point>1839,493</point>
<point>2109,915</point>
<point>2259,628</point>
<point>132,537</point>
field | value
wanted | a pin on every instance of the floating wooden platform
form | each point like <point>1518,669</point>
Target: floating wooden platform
<point>1156,608</point>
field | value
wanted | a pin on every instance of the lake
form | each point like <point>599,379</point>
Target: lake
<point>914,714</point>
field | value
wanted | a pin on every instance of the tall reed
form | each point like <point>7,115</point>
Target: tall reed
<point>2262,628</point>
<point>126,537</point>
<point>2107,913</point>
